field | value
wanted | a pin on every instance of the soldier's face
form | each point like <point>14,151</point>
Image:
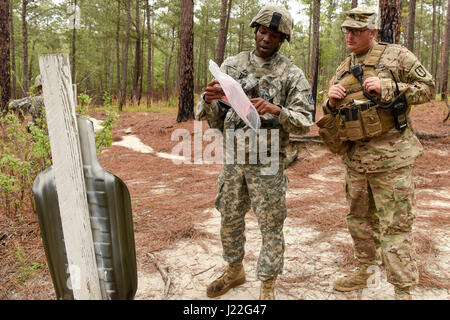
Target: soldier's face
<point>360,43</point>
<point>267,41</point>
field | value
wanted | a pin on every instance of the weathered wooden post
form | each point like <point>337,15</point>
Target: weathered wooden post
<point>69,178</point>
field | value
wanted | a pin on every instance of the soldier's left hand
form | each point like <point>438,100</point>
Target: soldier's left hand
<point>263,106</point>
<point>372,84</point>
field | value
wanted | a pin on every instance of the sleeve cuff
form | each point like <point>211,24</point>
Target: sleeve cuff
<point>329,109</point>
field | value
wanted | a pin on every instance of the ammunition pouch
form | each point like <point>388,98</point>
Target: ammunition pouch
<point>369,120</point>
<point>328,130</point>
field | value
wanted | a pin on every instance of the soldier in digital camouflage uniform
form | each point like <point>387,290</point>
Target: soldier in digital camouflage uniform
<point>281,94</point>
<point>379,158</point>
<point>33,105</point>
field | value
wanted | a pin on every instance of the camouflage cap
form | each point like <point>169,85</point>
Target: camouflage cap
<point>360,18</point>
<point>274,17</point>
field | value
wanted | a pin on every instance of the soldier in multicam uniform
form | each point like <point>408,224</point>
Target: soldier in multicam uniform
<point>33,105</point>
<point>282,96</point>
<point>379,147</point>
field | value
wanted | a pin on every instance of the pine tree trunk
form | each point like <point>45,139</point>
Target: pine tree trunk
<point>111,64</point>
<point>5,79</point>
<point>222,36</point>
<point>26,75</point>
<point>308,71</point>
<point>390,20</point>
<point>444,77</point>
<point>433,32</point>
<point>141,70</point>
<point>411,20</point>
<point>137,56</point>
<point>13,54</point>
<point>438,42</point>
<point>186,77</point>
<point>205,56</point>
<point>74,38</point>
<point>149,54</point>
<point>123,99</point>
<point>315,51</point>
<point>354,3</point>
<point>419,37</point>
<point>118,82</point>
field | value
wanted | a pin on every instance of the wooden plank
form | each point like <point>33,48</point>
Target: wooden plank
<point>69,178</point>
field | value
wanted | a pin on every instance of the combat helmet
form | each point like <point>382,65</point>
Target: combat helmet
<point>38,81</point>
<point>276,18</point>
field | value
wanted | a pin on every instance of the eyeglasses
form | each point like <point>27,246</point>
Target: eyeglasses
<point>355,32</point>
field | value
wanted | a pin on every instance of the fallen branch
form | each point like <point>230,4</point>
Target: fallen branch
<point>199,273</point>
<point>164,274</point>
<point>430,136</point>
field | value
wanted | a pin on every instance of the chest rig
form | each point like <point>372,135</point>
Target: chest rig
<point>359,118</point>
<point>259,82</point>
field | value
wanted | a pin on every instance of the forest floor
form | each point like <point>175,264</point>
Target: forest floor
<point>175,221</point>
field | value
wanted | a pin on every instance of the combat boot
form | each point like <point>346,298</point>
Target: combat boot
<point>233,276</point>
<point>402,293</point>
<point>356,280</point>
<point>267,291</point>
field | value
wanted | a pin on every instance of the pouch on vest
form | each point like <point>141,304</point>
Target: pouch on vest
<point>350,124</point>
<point>328,130</point>
<point>371,122</point>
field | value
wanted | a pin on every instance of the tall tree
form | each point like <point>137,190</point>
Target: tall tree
<point>354,3</point>
<point>137,55</point>
<point>13,53</point>
<point>315,51</point>
<point>433,38</point>
<point>118,82</point>
<point>5,79</point>
<point>123,97</point>
<point>309,37</point>
<point>411,21</point>
<point>390,20</point>
<point>222,37</point>
<point>74,38</point>
<point>149,54</point>
<point>26,75</point>
<point>186,68</point>
<point>444,70</point>
<point>419,37</point>
<point>438,41</point>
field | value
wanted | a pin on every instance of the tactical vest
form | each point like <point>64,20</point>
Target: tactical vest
<point>361,120</point>
<point>250,78</point>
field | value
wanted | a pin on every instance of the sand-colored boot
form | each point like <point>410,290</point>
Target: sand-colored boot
<point>267,291</point>
<point>233,276</point>
<point>402,293</point>
<point>354,281</point>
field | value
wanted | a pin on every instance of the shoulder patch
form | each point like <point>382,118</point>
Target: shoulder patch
<point>420,71</point>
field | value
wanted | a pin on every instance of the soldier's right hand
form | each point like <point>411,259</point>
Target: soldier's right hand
<point>336,93</point>
<point>213,92</point>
